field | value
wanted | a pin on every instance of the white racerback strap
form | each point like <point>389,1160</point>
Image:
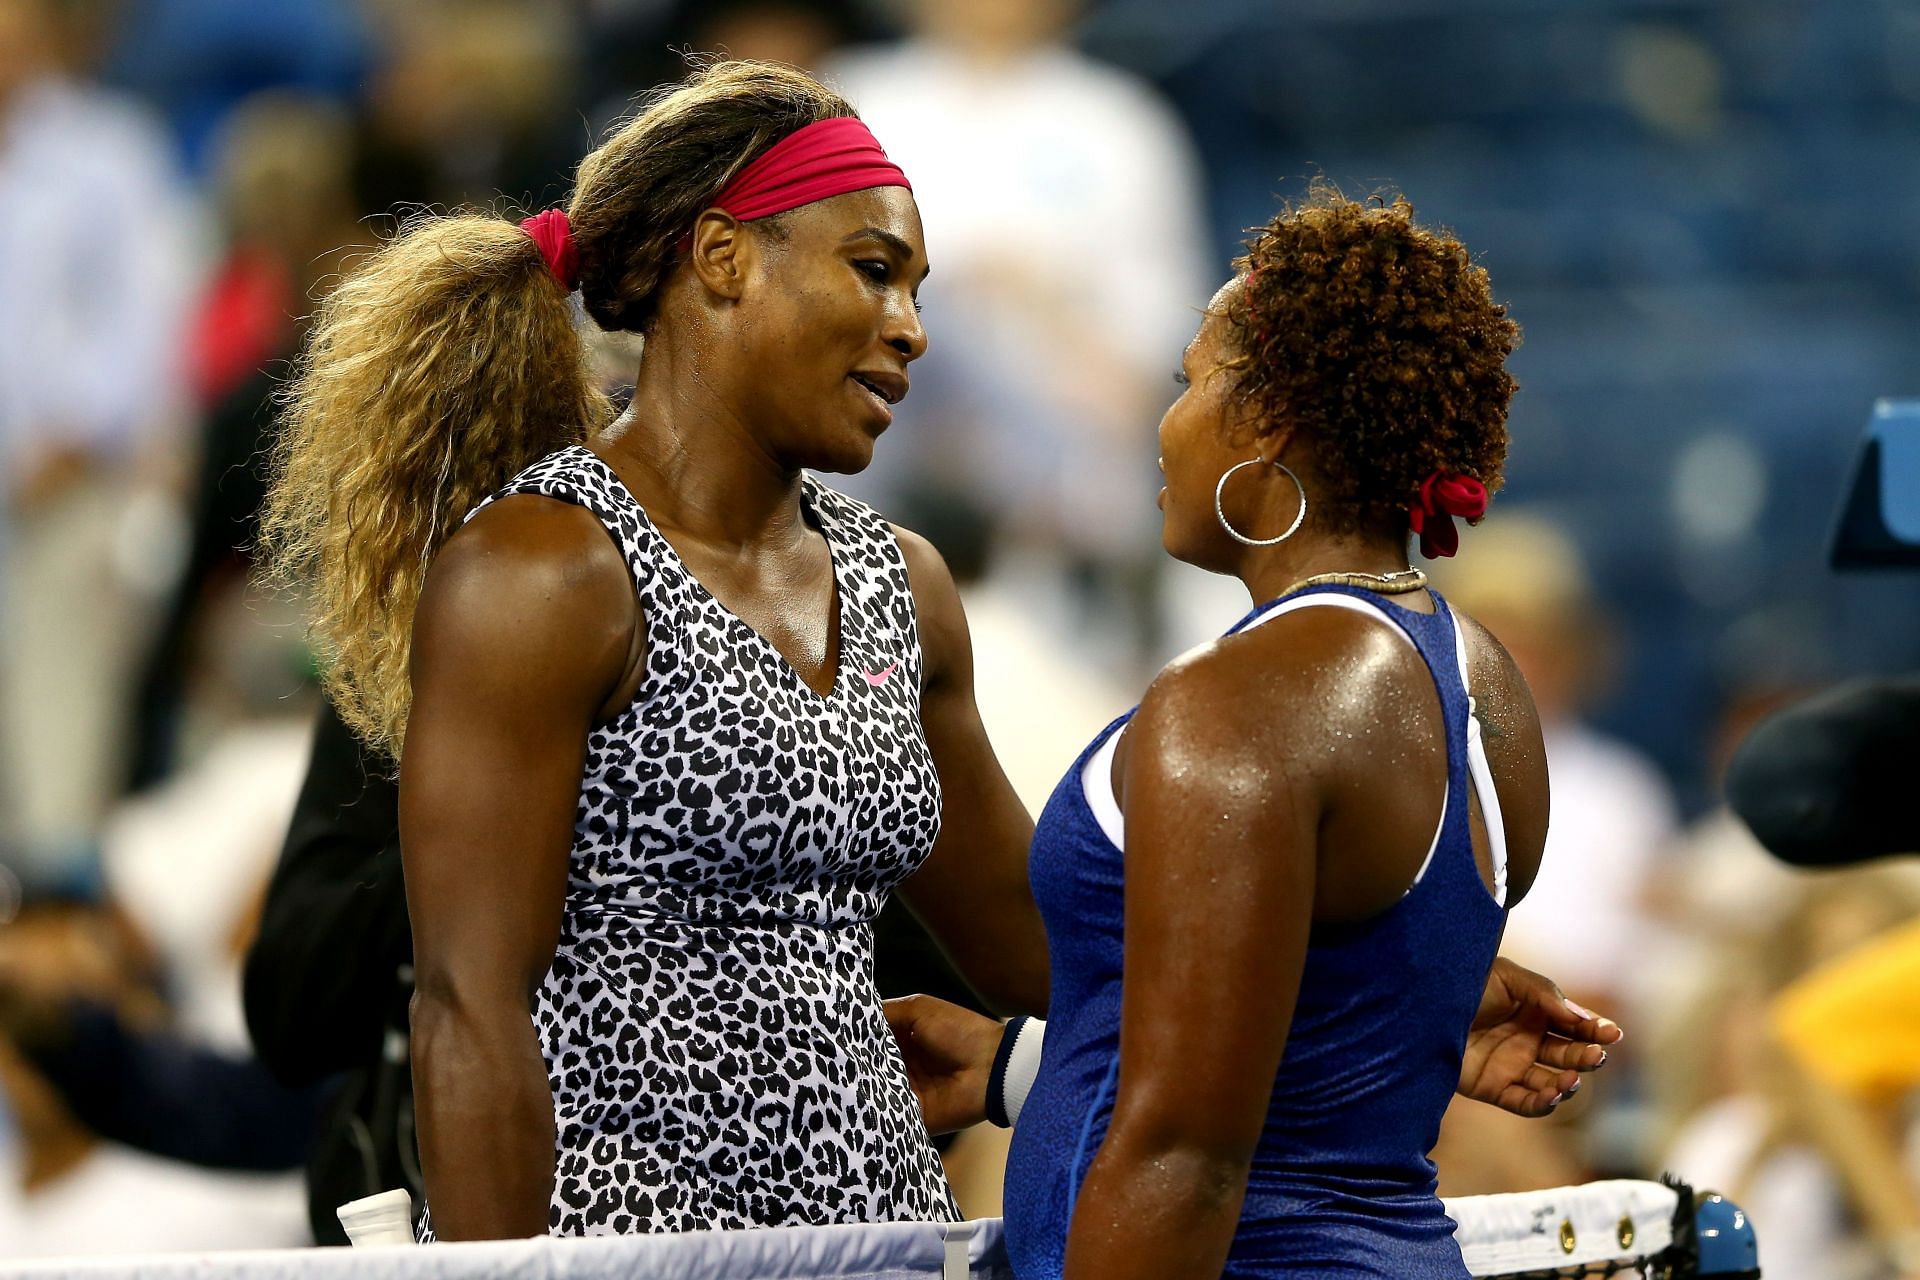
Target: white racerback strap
<point>1096,778</point>
<point>1483,775</point>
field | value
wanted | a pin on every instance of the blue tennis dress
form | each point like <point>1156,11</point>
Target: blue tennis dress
<point>1341,1186</point>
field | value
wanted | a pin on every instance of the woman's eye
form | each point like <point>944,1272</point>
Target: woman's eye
<point>873,268</point>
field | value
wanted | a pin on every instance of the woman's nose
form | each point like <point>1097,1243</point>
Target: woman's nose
<point>904,332</point>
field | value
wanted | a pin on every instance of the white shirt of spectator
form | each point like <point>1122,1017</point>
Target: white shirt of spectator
<point>1585,921</point>
<point>97,267</point>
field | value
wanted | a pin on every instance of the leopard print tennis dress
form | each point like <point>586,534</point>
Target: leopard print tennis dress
<point>713,1037</point>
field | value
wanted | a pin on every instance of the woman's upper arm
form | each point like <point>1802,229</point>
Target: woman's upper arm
<point>972,893</point>
<point>522,631</point>
<point>1220,852</point>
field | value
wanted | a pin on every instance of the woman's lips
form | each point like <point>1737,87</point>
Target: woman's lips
<point>873,400</point>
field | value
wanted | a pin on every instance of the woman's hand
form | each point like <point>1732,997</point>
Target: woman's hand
<point>1529,1043</point>
<point>949,1053</point>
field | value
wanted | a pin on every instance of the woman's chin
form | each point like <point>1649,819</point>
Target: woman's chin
<point>1196,548</point>
<point>1174,544</point>
<point>847,454</point>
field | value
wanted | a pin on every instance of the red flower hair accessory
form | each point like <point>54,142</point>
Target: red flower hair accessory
<point>554,234</point>
<point>1442,497</point>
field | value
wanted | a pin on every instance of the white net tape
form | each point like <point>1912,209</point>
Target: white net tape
<point>887,1251</point>
<point>1571,1230</point>
<point>1565,1228</point>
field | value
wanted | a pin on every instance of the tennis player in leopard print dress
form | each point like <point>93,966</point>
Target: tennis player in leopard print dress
<point>715,1048</point>
<point>673,717</point>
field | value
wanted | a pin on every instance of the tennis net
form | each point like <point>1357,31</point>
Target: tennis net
<point>1603,1230</point>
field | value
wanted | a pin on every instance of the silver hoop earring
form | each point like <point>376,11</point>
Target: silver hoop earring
<point>1220,510</point>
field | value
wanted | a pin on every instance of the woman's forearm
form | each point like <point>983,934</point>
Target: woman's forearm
<point>1155,1211</point>
<point>976,903</point>
<point>485,1116</point>
<point>1008,962</point>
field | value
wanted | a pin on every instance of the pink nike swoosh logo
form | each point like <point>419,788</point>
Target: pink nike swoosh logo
<point>878,678</point>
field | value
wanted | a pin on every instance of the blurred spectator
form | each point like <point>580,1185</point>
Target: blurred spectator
<point>1855,1022</point>
<point>283,184</point>
<point>188,862</point>
<point>801,33</point>
<point>1772,1129</point>
<point>1585,920</point>
<point>330,972</point>
<point>1715,887</point>
<point>155,1091</point>
<point>100,1066</point>
<point>97,259</point>
<point>1717,884</point>
<point>196,59</point>
<point>1039,703</point>
<point>1852,1028</point>
<point>632,45</point>
<point>472,102</point>
<point>77,1194</point>
<point>1061,203</point>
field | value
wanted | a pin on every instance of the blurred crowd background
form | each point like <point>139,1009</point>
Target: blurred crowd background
<point>1705,214</point>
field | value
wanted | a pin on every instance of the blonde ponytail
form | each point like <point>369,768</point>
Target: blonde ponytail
<point>434,373</point>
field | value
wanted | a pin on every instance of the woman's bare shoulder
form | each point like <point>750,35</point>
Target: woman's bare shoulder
<point>529,578</point>
<point>1288,692</point>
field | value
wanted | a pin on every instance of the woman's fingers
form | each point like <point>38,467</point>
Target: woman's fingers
<point>1578,1023</point>
<point>901,1013</point>
<point>1573,1055</point>
<point>1539,1091</point>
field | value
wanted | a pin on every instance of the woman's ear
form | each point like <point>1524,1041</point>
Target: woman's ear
<point>1273,448</point>
<point>719,247</point>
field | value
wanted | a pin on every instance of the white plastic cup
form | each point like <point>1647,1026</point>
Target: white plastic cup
<point>386,1218</point>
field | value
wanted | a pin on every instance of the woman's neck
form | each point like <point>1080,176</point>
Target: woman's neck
<point>1267,572</point>
<point>693,461</point>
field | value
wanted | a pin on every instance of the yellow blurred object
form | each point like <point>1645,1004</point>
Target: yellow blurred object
<point>1854,1022</point>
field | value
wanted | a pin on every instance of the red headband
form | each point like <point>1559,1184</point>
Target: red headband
<point>554,234</point>
<point>1442,497</point>
<point>828,158</point>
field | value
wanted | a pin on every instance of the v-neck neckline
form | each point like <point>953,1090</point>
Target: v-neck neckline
<point>837,621</point>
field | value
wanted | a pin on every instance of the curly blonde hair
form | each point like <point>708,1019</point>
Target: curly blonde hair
<point>1380,341</point>
<point>449,361</point>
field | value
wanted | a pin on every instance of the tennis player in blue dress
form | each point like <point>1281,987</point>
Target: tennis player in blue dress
<point>1299,850</point>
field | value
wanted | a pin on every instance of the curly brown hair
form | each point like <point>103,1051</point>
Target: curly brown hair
<point>1380,341</point>
<point>449,360</point>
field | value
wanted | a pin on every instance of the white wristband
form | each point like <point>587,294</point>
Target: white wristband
<point>1014,1069</point>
